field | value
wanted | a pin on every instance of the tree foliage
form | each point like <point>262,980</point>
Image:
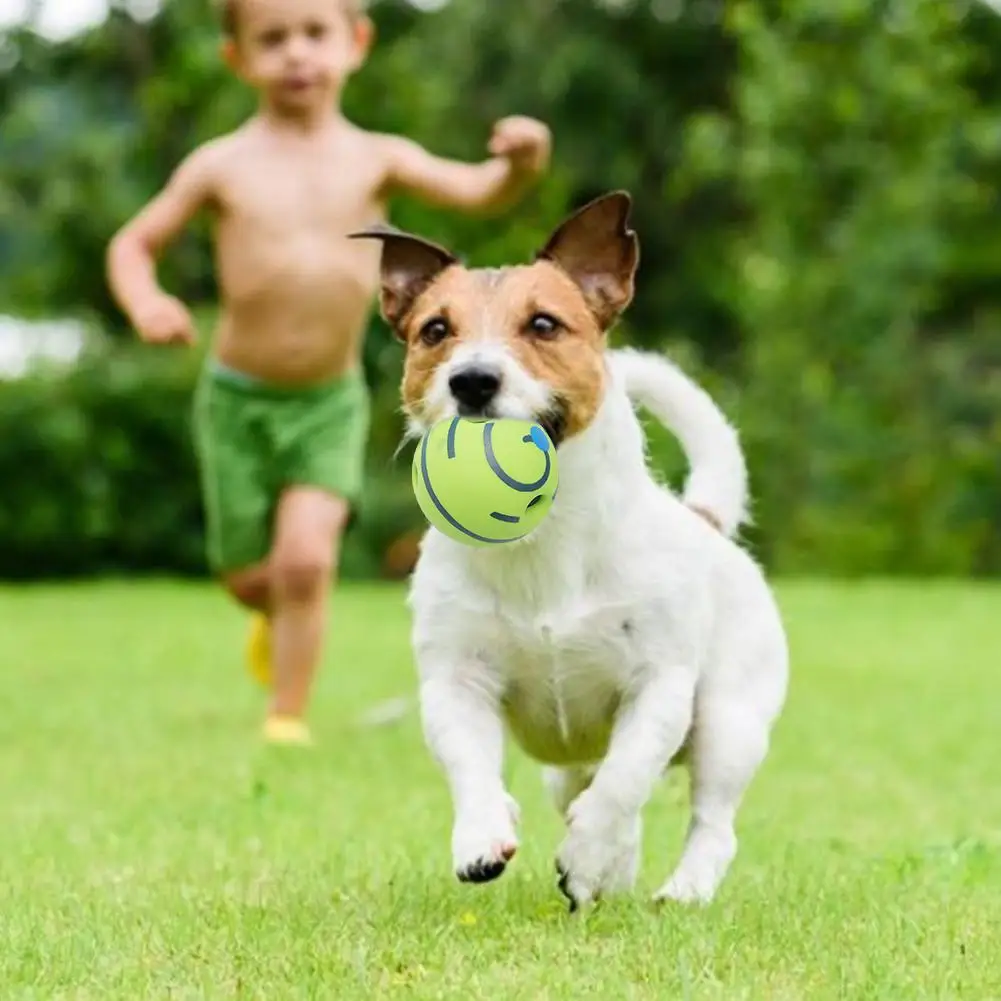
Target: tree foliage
<point>814,183</point>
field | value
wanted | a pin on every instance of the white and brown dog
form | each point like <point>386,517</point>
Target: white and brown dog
<point>628,631</point>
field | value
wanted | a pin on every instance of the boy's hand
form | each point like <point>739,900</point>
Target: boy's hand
<point>163,319</point>
<point>525,142</point>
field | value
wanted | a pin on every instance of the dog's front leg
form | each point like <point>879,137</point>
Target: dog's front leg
<point>604,820</point>
<point>464,731</point>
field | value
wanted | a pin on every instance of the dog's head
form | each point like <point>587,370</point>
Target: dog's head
<point>524,341</point>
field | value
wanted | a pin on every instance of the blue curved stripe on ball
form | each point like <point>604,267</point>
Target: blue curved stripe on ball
<point>511,519</point>
<point>441,508</point>
<point>510,481</point>
<point>450,441</point>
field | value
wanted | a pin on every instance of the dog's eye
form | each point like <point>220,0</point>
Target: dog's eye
<point>544,326</point>
<point>435,331</point>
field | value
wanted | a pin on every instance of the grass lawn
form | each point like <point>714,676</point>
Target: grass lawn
<point>149,848</point>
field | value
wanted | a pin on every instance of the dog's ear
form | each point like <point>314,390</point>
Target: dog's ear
<point>598,250</point>
<point>409,265</point>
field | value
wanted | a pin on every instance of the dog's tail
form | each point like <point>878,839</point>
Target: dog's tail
<point>717,479</point>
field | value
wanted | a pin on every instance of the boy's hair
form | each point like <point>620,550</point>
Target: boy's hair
<point>228,12</point>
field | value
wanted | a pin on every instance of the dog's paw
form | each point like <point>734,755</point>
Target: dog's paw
<point>685,888</point>
<point>621,877</point>
<point>483,843</point>
<point>701,870</point>
<point>600,854</point>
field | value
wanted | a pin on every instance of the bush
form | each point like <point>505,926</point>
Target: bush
<point>100,476</point>
<point>98,470</point>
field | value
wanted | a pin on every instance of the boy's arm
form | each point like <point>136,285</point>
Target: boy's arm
<point>133,251</point>
<point>521,150</point>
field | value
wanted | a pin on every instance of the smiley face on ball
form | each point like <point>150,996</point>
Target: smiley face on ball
<point>485,482</point>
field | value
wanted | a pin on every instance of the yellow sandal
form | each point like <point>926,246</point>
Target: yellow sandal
<point>259,650</point>
<point>287,731</point>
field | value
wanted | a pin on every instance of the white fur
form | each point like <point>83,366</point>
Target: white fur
<point>622,629</point>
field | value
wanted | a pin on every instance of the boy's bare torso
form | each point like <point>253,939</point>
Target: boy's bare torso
<point>296,293</point>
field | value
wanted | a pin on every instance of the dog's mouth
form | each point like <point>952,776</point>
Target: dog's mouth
<point>554,423</point>
<point>487,413</point>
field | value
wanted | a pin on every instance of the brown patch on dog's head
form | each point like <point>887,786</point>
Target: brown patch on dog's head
<point>539,317</point>
<point>549,319</point>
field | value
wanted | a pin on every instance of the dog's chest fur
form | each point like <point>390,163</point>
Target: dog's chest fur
<point>563,669</point>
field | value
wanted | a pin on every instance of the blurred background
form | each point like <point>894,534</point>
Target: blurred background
<point>815,187</point>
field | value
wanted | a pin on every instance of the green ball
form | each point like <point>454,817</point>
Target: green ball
<point>483,482</point>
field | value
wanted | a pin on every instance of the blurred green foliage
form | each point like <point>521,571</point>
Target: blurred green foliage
<point>815,194</point>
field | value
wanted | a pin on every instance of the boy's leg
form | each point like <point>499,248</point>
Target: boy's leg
<point>252,589</point>
<point>302,564</point>
<point>321,438</point>
<point>234,468</point>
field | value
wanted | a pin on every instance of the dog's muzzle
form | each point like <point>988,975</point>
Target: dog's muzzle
<point>474,389</point>
<point>477,391</point>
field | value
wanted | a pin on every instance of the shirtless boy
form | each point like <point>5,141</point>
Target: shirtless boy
<point>281,411</point>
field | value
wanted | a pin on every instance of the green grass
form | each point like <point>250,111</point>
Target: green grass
<point>149,849</point>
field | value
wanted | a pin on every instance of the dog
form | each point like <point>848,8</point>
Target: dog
<point>629,631</point>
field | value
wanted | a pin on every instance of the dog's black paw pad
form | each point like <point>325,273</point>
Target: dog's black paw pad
<point>564,885</point>
<point>482,871</point>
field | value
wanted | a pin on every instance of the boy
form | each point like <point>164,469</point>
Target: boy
<point>281,411</point>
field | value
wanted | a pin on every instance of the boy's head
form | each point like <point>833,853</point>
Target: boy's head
<point>296,51</point>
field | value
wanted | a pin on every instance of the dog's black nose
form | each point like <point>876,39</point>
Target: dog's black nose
<point>474,388</point>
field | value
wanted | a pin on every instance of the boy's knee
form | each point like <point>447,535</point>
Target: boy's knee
<point>341,513</point>
<point>307,544</point>
<point>250,587</point>
<point>301,575</point>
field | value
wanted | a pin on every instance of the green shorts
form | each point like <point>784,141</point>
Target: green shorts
<point>254,440</point>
